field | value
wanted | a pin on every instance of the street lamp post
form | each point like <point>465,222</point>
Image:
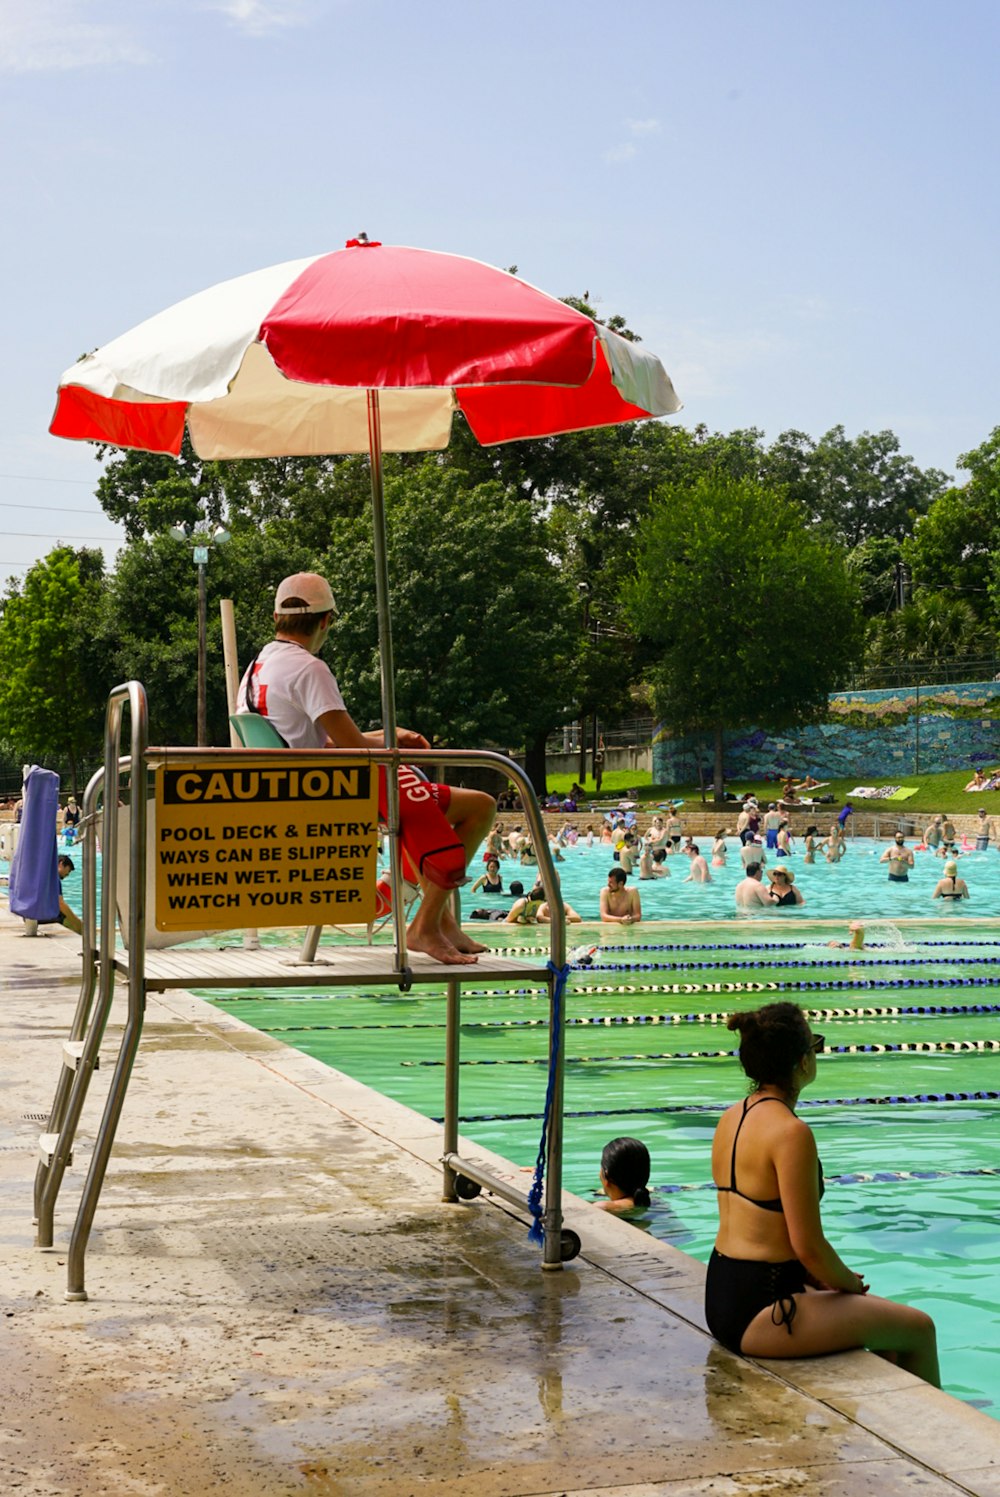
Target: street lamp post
<point>200,553</point>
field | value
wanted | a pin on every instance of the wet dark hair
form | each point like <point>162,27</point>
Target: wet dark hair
<point>71,866</point>
<point>517,889</point>
<point>618,873</point>
<point>753,868</point>
<point>625,1162</point>
<point>773,1040</point>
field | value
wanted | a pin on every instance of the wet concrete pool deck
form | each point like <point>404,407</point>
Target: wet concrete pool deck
<point>280,1303</point>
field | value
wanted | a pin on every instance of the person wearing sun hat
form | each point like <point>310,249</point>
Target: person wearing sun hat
<point>951,886</point>
<point>287,683</point>
<point>783,890</point>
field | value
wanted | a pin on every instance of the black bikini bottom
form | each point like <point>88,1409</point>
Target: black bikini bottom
<point>737,1289</point>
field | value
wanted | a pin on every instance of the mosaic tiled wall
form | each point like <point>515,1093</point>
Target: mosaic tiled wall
<point>867,735</point>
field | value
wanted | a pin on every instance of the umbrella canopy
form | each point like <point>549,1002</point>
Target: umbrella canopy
<point>371,348</point>
<point>280,362</point>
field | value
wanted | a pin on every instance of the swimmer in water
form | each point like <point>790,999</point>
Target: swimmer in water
<point>624,1175</point>
<point>857,941</point>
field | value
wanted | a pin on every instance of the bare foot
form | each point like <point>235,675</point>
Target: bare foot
<point>454,933</point>
<point>433,943</point>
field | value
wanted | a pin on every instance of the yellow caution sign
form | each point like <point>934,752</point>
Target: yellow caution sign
<point>247,842</point>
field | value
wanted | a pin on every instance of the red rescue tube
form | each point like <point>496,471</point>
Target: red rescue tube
<point>428,838</point>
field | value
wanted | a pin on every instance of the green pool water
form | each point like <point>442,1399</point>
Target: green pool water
<point>905,1106</point>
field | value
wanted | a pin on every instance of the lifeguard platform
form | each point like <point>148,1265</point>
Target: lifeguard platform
<point>199,844</point>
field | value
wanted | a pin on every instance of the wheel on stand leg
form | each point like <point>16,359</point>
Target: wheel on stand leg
<point>467,1189</point>
<point>569,1245</point>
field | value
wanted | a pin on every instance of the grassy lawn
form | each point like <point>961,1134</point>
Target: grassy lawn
<point>935,792</point>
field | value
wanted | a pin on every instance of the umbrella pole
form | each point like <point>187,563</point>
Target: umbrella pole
<point>388,672</point>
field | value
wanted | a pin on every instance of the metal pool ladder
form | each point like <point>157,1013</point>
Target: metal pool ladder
<point>145,970</point>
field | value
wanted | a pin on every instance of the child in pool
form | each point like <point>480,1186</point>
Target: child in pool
<point>624,1175</point>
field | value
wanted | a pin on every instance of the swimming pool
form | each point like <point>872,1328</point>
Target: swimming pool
<point>856,886</point>
<point>905,1106</point>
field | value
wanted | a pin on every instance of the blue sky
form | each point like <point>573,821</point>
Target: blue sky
<point>793,203</point>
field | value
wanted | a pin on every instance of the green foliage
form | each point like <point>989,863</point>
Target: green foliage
<point>744,612</point>
<point>935,626</point>
<point>149,623</point>
<point>854,488</point>
<point>485,627</point>
<point>874,566</point>
<point>53,680</point>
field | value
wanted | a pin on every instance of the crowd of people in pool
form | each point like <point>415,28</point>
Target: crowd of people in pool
<point>766,847</point>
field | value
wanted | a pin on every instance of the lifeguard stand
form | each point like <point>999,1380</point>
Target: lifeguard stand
<point>148,967</point>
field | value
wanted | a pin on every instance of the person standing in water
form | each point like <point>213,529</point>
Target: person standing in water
<point>899,858</point>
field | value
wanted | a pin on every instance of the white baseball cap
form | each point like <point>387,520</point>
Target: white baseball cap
<point>305,592</point>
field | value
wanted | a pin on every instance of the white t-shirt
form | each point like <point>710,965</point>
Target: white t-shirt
<point>292,689</point>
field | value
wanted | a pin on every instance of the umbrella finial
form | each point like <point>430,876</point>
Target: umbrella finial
<point>363,242</point>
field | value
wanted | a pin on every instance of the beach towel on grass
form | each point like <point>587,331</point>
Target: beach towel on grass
<point>903,793</point>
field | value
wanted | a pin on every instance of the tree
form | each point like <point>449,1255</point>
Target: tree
<point>745,615</point>
<point>936,627</point>
<point>485,626</point>
<point>953,546</point>
<point>875,565</point>
<point>52,685</point>
<point>855,488</point>
<point>148,628</point>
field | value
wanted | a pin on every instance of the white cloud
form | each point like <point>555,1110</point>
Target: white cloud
<point>643,127</point>
<point>621,153</point>
<point>263,17</point>
<point>57,35</point>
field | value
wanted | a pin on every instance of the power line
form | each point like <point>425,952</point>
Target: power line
<point>37,535</point>
<point>63,509</point>
<point>40,478</point>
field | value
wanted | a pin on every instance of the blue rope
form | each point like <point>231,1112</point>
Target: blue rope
<point>536,1232</point>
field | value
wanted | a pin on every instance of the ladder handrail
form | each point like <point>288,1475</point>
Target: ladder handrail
<point>138,764</point>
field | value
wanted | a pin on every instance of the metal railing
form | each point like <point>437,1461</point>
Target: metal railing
<point>101,960</point>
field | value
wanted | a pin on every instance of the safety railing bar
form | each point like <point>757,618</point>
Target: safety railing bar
<point>486,1178</point>
<point>134,694</point>
<point>141,759</point>
<point>78,1031</point>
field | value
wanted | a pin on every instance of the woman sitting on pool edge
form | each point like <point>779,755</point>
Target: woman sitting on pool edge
<point>624,1175</point>
<point>775,1287</point>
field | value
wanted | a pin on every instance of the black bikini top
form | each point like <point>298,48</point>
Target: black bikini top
<point>733,1189</point>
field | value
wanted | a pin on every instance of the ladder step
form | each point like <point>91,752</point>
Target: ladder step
<point>47,1145</point>
<point>73,1054</point>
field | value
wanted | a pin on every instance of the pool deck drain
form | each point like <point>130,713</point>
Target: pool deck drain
<point>281,1304</point>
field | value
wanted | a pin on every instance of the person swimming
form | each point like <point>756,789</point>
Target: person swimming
<point>625,1167</point>
<point>857,941</point>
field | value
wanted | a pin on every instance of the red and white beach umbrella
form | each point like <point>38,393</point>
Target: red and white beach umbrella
<point>280,362</point>
<point>371,348</point>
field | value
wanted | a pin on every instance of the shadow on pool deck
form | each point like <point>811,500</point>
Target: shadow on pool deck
<point>281,1304</point>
